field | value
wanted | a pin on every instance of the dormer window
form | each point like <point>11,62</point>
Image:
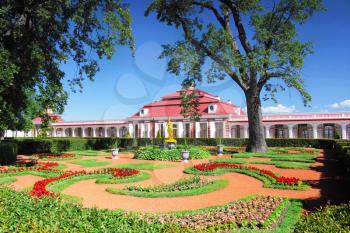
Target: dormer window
<point>143,112</point>
<point>212,108</point>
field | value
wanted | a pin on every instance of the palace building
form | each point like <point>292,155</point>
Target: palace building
<point>218,119</point>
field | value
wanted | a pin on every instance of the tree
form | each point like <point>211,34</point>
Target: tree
<point>38,36</point>
<point>216,42</point>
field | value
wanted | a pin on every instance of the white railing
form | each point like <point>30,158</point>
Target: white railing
<point>92,122</point>
<point>304,116</point>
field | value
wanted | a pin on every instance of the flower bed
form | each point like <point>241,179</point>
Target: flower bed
<point>257,212</point>
<point>40,190</point>
<point>184,187</point>
<point>269,178</point>
<point>53,156</point>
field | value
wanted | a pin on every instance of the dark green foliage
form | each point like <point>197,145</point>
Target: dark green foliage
<point>42,145</point>
<point>152,153</point>
<point>37,37</point>
<point>8,153</point>
<point>328,219</point>
<point>342,152</point>
<point>20,213</point>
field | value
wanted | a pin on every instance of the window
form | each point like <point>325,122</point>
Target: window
<point>203,130</point>
<point>145,131</point>
<point>212,108</point>
<point>187,130</point>
<point>175,130</point>
<point>219,130</point>
<point>161,129</point>
<point>329,131</point>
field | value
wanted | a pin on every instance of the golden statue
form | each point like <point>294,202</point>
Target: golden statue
<point>171,138</point>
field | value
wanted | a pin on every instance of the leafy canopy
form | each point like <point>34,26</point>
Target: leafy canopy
<point>216,41</point>
<point>37,37</point>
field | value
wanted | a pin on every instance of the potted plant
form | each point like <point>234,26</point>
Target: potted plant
<point>115,149</point>
<point>185,153</point>
<point>220,148</point>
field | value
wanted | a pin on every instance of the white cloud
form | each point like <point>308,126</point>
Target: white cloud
<point>279,108</point>
<point>343,104</point>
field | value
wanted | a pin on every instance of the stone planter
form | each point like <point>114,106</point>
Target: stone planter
<point>115,153</point>
<point>185,156</point>
<point>220,149</point>
<point>171,145</point>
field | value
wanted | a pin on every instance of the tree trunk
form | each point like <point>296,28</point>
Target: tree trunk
<point>256,142</point>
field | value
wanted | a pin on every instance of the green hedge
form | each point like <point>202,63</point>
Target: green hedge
<point>152,153</point>
<point>42,145</point>
<point>342,152</point>
<point>8,153</point>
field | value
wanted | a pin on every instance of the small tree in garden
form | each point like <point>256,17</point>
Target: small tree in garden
<point>189,104</point>
<point>252,42</point>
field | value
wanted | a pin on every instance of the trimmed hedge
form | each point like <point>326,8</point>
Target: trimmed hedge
<point>151,153</point>
<point>342,152</point>
<point>47,145</point>
<point>8,153</point>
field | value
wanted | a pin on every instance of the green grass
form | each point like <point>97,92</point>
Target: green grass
<point>89,152</point>
<point>279,164</point>
<point>290,218</point>
<point>59,185</point>
<point>7,180</point>
<point>144,166</point>
<point>61,166</point>
<point>91,163</point>
<point>128,179</point>
<point>70,199</point>
<point>216,185</point>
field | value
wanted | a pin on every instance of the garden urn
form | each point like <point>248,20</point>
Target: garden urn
<point>220,149</point>
<point>115,153</point>
<point>185,156</point>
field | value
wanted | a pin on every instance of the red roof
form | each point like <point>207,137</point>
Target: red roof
<point>169,106</point>
<point>54,118</point>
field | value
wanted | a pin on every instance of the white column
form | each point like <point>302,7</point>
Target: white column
<point>148,130</point>
<point>197,132</point>
<point>290,131</point>
<point>142,127</point>
<point>180,129</point>
<point>165,127</point>
<point>343,131</point>
<point>83,132</point>
<point>93,132</point>
<point>212,129</point>
<point>314,130</point>
<point>53,132</point>
<point>267,131</point>
<point>245,131</point>
<point>131,129</point>
<point>73,132</point>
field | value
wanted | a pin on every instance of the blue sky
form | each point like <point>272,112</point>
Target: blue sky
<point>126,83</point>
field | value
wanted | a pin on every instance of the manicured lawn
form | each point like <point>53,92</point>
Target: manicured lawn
<point>7,180</point>
<point>90,152</point>
<point>91,163</point>
<point>279,164</point>
<point>144,166</point>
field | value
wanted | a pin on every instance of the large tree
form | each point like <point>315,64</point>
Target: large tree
<point>38,36</point>
<point>250,41</point>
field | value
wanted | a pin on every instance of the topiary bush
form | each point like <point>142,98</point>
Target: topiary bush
<point>8,153</point>
<point>153,153</point>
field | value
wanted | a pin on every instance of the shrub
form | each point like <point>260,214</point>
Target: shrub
<point>332,218</point>
<point>8,153</point>
<point>152,153</point>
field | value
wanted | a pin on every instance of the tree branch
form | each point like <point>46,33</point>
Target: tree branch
<point>217,59</point>
<point>239,25</point>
